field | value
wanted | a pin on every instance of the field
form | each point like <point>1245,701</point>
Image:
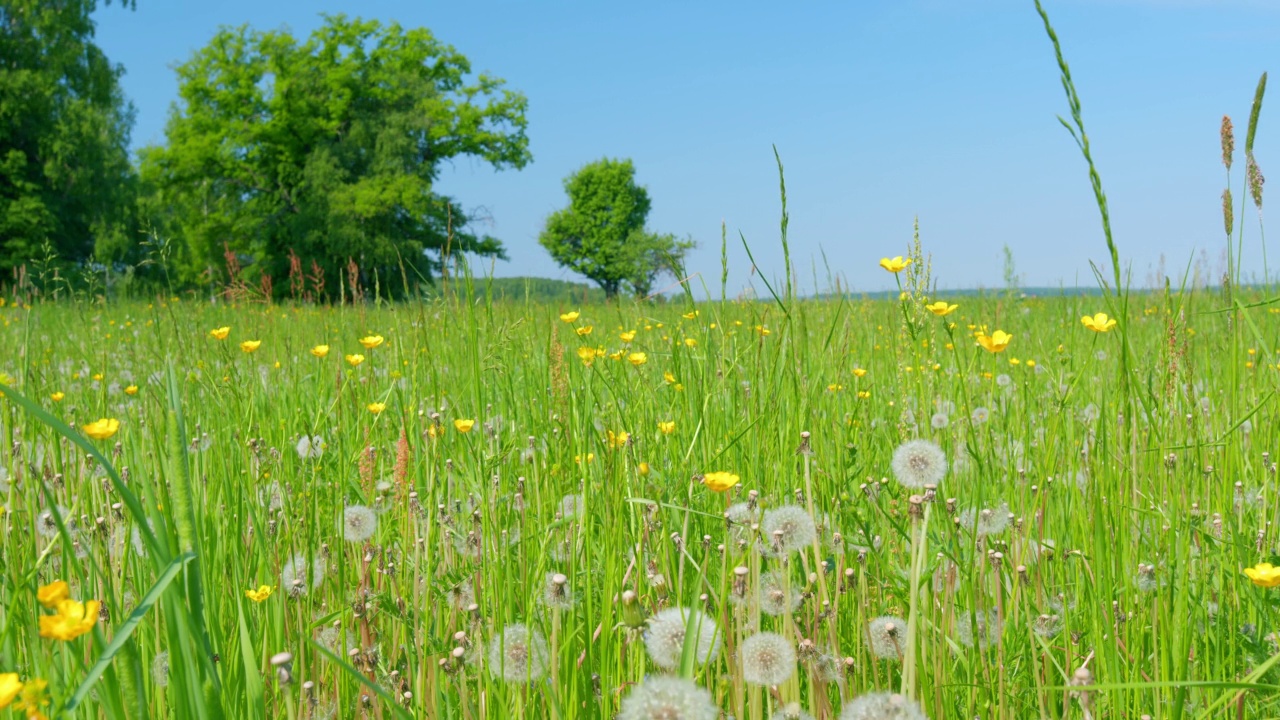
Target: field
<point>514,510</point>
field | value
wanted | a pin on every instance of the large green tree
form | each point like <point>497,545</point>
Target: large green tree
<point>65,177</point>
<point>327,149</point>
<point>602,235</point>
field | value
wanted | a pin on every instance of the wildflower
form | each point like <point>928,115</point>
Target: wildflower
<point>571,506</point>
<point>767,659</point>
<point>354,360</point>
<point>370,342</point>
<point>102,429</point>
<point>939,421</point>
<point>691,342</point>
<point>556,593</point>
<point>464,425</point>
<point>643,469</point>
<point>988,521</point>
<point>249,346</point>
<point>584,330</point>
<point>587,355</point>
<point>627,336</point>
<point>33,697</point>
<point>57,397</point>
<point>941,308</point>
<point>668,377</point>
<point>617,440</point>
<point>1098,323</point>
<point>888,637</point>
<point>10,687</point>
<point>320,350</point>
<point>895,264</point>
<point>859,372</point>
<point>665,637</point>
<point>776,597</point>
<point>637,358</point>
<point>995,342</point>
<point>300,576</point>
<point>666,427</point>
<point>53,593</point>
<point>220,333</point>
<point>882,706</point>
<point>518,654</point>
<point>690,315</point>
<point>73,619</point>
<point>668,698</point>
<point>569,316</point>
<point>917,463</point>
<point>309,448</point>
<point>719,481</point>
<point>787,529</point>
<point>980,415</point>
<point>377,407</point>
<point>1264,575</point>
<point>262,593</point>
<point>47,524</point>
<point>358,523</point>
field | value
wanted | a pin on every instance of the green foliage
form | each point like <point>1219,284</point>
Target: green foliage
<point>65,177</point>
<point>328,148</point>
<point>602,236</point>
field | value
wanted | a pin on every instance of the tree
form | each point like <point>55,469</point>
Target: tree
<point>66,184</point>
<point>602,236</point>
<point>328,149</point>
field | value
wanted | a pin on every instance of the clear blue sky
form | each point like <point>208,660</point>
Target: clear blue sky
<point>882,111</point>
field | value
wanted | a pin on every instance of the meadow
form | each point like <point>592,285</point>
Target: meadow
<point>474,509</point>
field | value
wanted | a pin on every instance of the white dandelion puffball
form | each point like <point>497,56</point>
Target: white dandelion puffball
<point>518,655</point>
<point>298,576</point>
<point>668,698</point>
<point>665,637</point>
<point>359,523</point>
<point>767,659</point>
<point>882,706</point>
<point>888,637</point>
<point>310,447</point>
<point>917,463</point>
<point>787,529</point>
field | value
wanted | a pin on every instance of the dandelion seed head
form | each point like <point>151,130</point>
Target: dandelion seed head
<point>519,654</point>
<point>1003,380</point>
<point>359,523</point>
<point>776,597</point>
<point>882,706</point>
<point>47,524</point>
<point>665,637</point>
<point>939,421</point>
<point>789,527</point>
<point>310,447</point>
<point>982,629</point>
<point>556,593</point>
<point>987,521</point>
<point>917,463</point>
<point>791,711</point>
<point>668,698</point>
<point>571,506</point>
<point>980,415</point>
<point>887,636</point>
<point>160,669</point>
<point>767,659</point>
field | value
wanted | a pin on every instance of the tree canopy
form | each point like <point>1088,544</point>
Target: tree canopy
<point>327,151</point>
<point>66,184</point>
<point>602,235</point>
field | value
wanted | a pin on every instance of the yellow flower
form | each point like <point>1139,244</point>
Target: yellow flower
<point>615,355</point>
<point>376,408</point>
<point>9,688</point>
<point>584,330</point>
<point>587,355</point>
<point>720,481</point>
<point>859,372</point>
<point>250,345</point>
<point>97,376</point>
<point>262,593</point>
<point>220,333</point>
<point>669,377</point>
<point>102,429</point>
<point>320,350</point>
<point>618,439</point>
<point>895,265</point>
<point>464,425</point>
<point>354,360</point>
<point>53,593</point>
<point>995,342</point>
<point>34,694</point>
<point>637,358</point>
<point>371,341</point>
<point>763,330</point>
<point>864,394</point>
<point>73,619</point>
<point>836,387</point>
<point>666,427</point>
<point>690,315</point>
<point>6,379</point>
<point>627,336</point>
<point>1031,363</point>
<point>690,342</point>
<point>643,468</point>
<point>569,316</point>
<point>1264,575</point>
<point>579,459</point>
<point>941,308</point>
<point>131,390</point>
<point>1098,323</point>
<point>57,397</point>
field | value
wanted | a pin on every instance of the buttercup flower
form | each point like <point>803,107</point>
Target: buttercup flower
<point>464,425</point>
<point>220,333</point>
<point>666,427</point>
<point>250,345</point>
<point>53,593</point>
<point>995,342</point>
<point>637,358</point>
<point>941,308</point>
<point>9,688</point>
<point>720,481</point>
<point>584,330</point>
<point>1099,322</point>
<point>320,350</point>
<point>895,264</point>
<point>73,619</point>
<point>102,429</point>
<point>1264,575</point>
<point>262,593</point>
<point>627,336</point>
<point>131,390</point>
<point>354,360</point>
<point>370,342</point>
<point>376,408</point>
<point>569,316</point>
<point>57,397</point>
